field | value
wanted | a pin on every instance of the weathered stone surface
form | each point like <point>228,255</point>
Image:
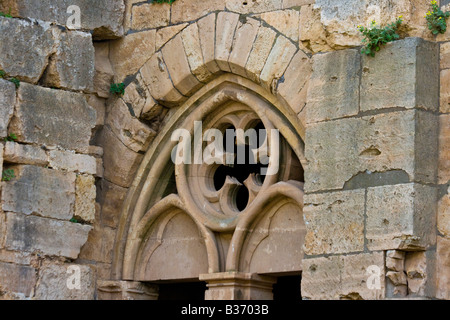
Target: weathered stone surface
<point>120,162</point>
<point>193,50</point>
<point>401,217</point>
<point>395,260</point>
<point>36,190</point>
<point>295,86</point>
<point>55,281</point>
<point>163,35</point>
<point>334,222</point>
<point>443,268</point>
<point>277,62</point>
<point>240,6</point>
<point>1,163</point>
<point>130,131</point>
<point>126,290</point>
<point>207,33</point>
<point>53,117</point>
<point>420,271</point>
<point>85,194</point>
<point>73,64</point>
<point>178,66</point>
<point>25,48</point>
<point>262,47</point>
<point>225,29</point>
<point>285,21</point>
<point>443,218</point>
<point>99,246</point>
<point>138,98</point>
<point>243,43</point>
<point>445,91</point>
<point>404,74</point>
<point>312,34</point>
<point>334,86</point>
<point>7,101</point>
<point>112,197</point>
<point>70,161</point>
<point>99,105</point>
<point>150,15</point>
<point>342,277</point>
<point>130,53</point>
<point>296,3</point>
<point>189,10</point>
<point>51,237</point>
<point>341,149</point>
<point>103,17</point>
<point>25,154</point>
<point>444,149</point>
<point>104,73</point>
<point>157,78</point>
<point>17,279</point>
<point>445,55</point>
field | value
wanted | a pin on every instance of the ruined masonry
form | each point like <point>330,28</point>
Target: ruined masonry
<point>359,207</point>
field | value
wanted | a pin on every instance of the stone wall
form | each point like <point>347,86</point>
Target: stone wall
<point>377,136</point>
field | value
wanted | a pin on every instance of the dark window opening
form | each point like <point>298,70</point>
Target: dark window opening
<point>194,291</point>
<point>287,289</point>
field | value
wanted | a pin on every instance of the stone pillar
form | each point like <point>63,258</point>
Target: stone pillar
<point>126,290</point>
<point>370,183</point>
<point>238,286</point>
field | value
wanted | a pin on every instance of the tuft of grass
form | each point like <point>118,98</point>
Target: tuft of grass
<point>15,81</point>
<point>118,89</point>
<point>8,175</point>
<point>2,74</point>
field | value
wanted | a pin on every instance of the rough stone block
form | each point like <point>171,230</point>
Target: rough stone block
<point>401,217</point>
<point>334,86</point>
<point>56,281</point>
<point>444,149</point>
<point>7,101</point>
<point>130,53</point>
<point>262,47</point>
<point>150,16</point>
<point>296,3</point>
<point>51,237</point>
<point>17,279</point>
<point>1,161</point>
<point>189,10</point>
<point>285,21</point>
<point>100,244</point>
<point>73,64</point>
<point>334,222</point>
<point>342,277</point>
<point>163,35</point>
<point>104,73</point>
<point>443,218</point>
<point>445,91</point>
<point>207,33</point>
<point>445,55</point>
<point>420,269</point>
<point>25,49</point>
<point>53,117</point>
<point>103,17</point>
<point>70,161</point>
<point>404,74</point>
<point>36,190</point>
<point>85,194</point>
<point>443,268</point>
<point>25,154</point>
<point>345,150</point>
<point>112,197</point>
<point>240,6</point>
<point>225,28</point>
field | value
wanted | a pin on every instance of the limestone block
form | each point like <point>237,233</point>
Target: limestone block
<point>103,17</point>
<point>295,86</point>
<point>404,74</point>
<point>99,105</point>
<point>225,28</point>
<point>242,45</point>
<point>285,21</point>
<point>126,290</point>
<point>207,33</point>
<point>17,279</point>
<point>240,6</point>
<point>443,268</point>
<point>189,10</point>
<point>312,33</point>
<point>53,117</point>
<point>193,50</point>
<point>100,244</point>
<point>73,64</point>
<point>444,149</point>
<point>262,47</point>
<point>277,63</point>
<point>1,160</point>
<point>334,86</point>
<point>131,52</point>
<point>401,217</point>
<point>130,131</point>
<point>55,281</point>
<point>7,101</point>
<point>70,161</point>
<point>420,268</point>
<point>443,218</point>
<point>51,237</point>
<point>334,222</point>
<point>343,277</point>
<point>119,170</point>
<point>85,194</point>
<point>445,55</point>
<point>445,91</point>
<point>112,197</point>
<point>25,49</point>
<point>178,66</point>
<point>36,190</point>
<point>343,150</point>
<point>163,35</point>
<point>150,16</point>
<point>104,73</point>
<point>25,154</point>
<point>296,3</point>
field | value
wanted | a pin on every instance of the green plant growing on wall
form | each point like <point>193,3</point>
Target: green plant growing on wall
<point>164,1</point>
<point>118,89</point>
<point>375,36</point>
<point>15,81</point>
<point>8,175</point>
<point>11,137</point>
<point>2,74</point>
<point>6,15</point>
<point>437,19</point>
<point>73,220</point>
